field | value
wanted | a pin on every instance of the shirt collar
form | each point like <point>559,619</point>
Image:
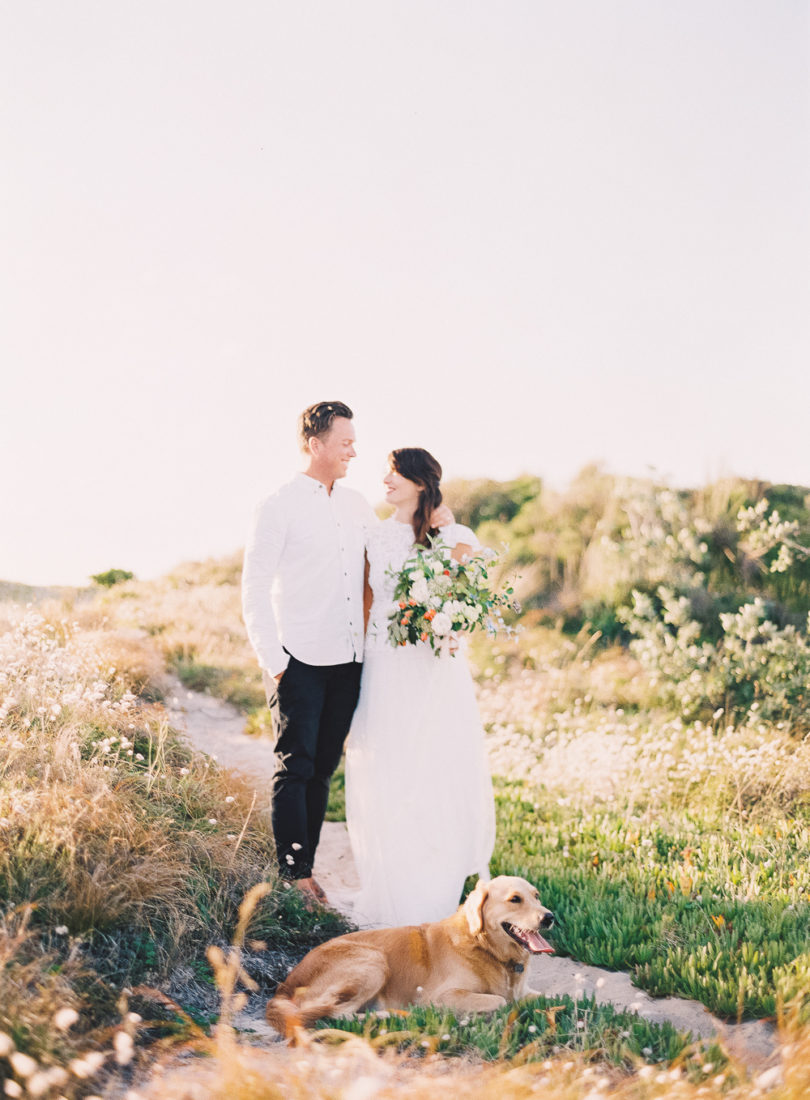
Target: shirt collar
<point>311,484</point>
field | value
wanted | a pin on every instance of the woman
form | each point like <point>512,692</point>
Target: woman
<point>419,803</point>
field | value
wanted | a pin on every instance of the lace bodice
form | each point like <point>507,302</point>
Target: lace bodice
<point>390,544</point>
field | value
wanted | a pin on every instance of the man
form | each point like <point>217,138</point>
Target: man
<point>302,595</point>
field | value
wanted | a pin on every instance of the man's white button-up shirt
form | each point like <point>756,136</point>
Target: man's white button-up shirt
<point>302,580</point>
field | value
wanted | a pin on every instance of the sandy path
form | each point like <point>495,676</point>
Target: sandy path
<point>216,728</point>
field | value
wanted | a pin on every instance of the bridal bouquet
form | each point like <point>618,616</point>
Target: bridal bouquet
<point>436,597</point>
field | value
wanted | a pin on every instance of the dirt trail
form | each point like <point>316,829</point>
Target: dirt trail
<point>216,728</point>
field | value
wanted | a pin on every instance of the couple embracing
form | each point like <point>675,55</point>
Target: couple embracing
<point>318,588</point>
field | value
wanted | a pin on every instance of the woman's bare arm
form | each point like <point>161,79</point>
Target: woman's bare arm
<point>461,551</point>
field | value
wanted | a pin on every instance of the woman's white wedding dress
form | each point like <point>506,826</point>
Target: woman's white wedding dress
<point>419,804</point>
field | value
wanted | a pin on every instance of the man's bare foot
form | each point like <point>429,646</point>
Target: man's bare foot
<point>320,893</point>
<point>311,893</point>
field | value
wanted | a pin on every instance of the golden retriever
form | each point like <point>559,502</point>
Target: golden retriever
<point>474,961</point>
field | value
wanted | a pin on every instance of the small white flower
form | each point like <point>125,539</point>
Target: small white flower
<point>212,821</point>
<point>61,930</point>
<point>124,1048</point>
<point>65,1018</point>
<point>12,1088</point>
<point>22,1065</point>
<point>230,798</point>
<point>184,771</point>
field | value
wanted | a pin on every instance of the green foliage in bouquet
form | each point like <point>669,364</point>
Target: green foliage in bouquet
<point>437,597</point>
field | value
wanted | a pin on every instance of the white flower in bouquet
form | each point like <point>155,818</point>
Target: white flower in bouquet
<point>419,590</point>
<point>442,624</point>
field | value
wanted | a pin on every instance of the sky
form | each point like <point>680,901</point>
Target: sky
<point>525,235</point>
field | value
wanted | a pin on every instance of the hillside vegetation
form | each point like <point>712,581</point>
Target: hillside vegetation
<point>648,733</point>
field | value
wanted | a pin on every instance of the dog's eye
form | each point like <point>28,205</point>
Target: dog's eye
<point>516,899</point>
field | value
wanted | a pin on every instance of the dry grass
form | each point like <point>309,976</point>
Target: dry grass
<point>121,853</point>
<point>334,1064</point>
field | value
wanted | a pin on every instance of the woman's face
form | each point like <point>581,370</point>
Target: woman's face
<point>400,491</point>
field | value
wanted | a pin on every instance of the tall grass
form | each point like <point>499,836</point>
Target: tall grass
<point>122,854</point>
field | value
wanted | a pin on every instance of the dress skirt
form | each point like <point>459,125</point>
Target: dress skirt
<point>419,802</point>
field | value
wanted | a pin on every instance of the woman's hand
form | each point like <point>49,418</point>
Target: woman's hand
<point>442,517</point>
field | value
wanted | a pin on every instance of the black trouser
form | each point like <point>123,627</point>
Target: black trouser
<point>314,710</point>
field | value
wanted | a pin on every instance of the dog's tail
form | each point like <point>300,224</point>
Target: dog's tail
<point>290,1016</point>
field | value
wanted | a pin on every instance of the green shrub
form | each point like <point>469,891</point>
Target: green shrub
<point>112,576</point>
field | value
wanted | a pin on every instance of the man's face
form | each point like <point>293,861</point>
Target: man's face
<point>336,447</point>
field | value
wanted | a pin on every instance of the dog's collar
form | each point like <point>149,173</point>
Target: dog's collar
<point>517,967</point>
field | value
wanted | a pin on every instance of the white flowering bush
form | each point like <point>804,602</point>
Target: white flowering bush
<point>437,597</point>
<point>740,660</point>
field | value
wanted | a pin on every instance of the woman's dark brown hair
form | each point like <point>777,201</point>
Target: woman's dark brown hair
<point>420,467</point>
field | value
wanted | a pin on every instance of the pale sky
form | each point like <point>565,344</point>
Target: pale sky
<point>524,235</point>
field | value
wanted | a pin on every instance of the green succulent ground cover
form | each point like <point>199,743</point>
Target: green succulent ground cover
<point>697,908</point>
<point>533,1030</point>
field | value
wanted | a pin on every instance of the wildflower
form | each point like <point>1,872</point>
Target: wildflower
<point>12,1088</point>
<point>88,1065</point>
<point>6,1045</point>
<point>212,821</point>
<point>124,1048</point>
<point>22,1065</point>
<point>65,1018</point>
<point>45,1080</point>
<point>229,798</point>
<point>184,771</point>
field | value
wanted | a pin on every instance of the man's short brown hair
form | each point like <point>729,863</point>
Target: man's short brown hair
<point>317,419</point>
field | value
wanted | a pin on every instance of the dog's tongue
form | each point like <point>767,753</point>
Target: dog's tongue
<point>537,945</point>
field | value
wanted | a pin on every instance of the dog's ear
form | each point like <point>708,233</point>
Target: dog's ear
<point>474,907</point>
